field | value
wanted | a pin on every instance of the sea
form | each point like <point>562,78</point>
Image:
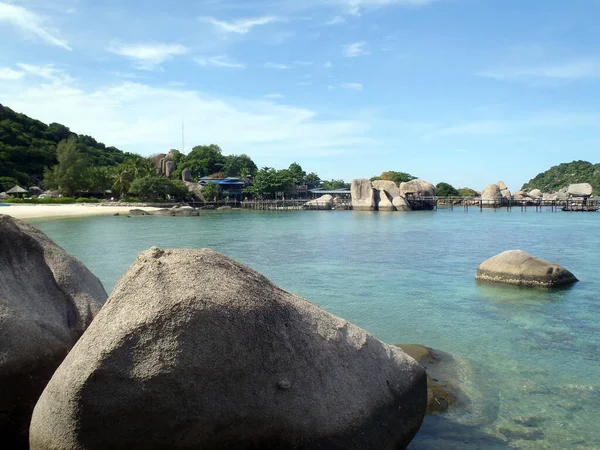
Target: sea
<point>529,359</point>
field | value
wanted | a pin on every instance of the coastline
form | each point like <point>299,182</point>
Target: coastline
<point>37,211</point>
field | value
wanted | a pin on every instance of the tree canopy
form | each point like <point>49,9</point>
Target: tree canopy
<point>562,175</point>
<point>446,190</point>
<point>396,177</point>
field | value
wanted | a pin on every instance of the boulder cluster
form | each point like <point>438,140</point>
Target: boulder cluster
<point>191,350</point>
<point>499,193</point>
<point>385,195</point>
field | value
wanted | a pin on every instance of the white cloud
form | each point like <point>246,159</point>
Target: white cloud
<point>274,96</point>
<point>30,23</point>
<point>355,49</point>
<point>146,119</point>
<point>574,69</point>
<point>328,65</point>
<point>277,66</point>
<point>240,26</point>
<point>220,61</point>
<point>352,86</point>
<point>148,56</point>
<point>355,7</point>
<point>47,72</point>
<point>6,73</point>
<point>303,63</point>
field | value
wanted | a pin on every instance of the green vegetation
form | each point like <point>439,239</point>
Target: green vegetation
<point>268,181</point>
<point>446,190</point>
<point>558,177</point>
<point>211,192</point>
<point>396,177</point>
<point>334,185</point>
<point>466,192</point>
<point>156,188</point>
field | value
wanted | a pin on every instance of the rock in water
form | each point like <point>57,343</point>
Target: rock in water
<point>47,299</point>
<point>521,268</point>
<point>385,204</point>
<point>580,190</point>
<point>491,194</point>
<point>363,195</point>
<point>196,351</point>
<point>324,202</point>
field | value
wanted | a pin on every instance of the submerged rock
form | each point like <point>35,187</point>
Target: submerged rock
<point>324,202</point>
<point>521,268</point>
<point>185,211</point>
<point>47,299</point>
<point>440,393</point>
<point>196,351</point>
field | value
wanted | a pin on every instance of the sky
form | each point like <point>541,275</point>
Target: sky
<point>468,92</point>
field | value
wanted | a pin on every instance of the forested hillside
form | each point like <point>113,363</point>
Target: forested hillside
<point>564,174</point>
<point>27,146</point>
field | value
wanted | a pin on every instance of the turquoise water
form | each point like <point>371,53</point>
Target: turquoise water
<point>409,278</point>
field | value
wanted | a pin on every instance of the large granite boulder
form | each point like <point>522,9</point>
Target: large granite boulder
<point>384,185</point>
<point>363,195</point>
<point>325,202</point>
<point>535,194</point>
<point>521,268</point>
<point>562,194</point>
<point>401,204</point>
<point>196,351</point>
<point>580,190</point>
<point>504,191</point>
<point>170,167</point>
<point>47,300</point>
<point>186,175</point>
<point>157,161</point>
<point>417,187</point>
<point>384,203</point>
<point>501,185</point>
<point>491,194</point>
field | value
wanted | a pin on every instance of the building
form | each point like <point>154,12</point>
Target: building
<point>230,187</point>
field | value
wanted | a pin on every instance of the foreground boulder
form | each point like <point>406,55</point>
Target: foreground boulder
<point>521,268</point>
<point>196,351</point>
<point>47,300</point>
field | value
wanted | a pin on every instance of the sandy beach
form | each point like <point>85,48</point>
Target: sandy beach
<point>36,211</point>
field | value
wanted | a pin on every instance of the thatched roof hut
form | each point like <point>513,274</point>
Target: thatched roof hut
<point>17,191</point>
<point>3,195</point>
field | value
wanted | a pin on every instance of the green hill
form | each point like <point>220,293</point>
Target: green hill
<point>27,146</point>
<point>560,176</point>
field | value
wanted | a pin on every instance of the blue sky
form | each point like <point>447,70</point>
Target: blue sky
<point>464,91</point>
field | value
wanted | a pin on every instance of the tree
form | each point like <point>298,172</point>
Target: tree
<point>446,190</point>
<point>154,187</point>
<point>333,185</point>
<point>239,166</point>
<point>211,192</point>
<point>268,181</point>
<point>98,179</point>
<point>204,160</point>
<point>295,171</point>
<point>6,183</point>
<point>312,179</point>
<point>467,192</point>
<point>396,177</point>
<point>68,176</point>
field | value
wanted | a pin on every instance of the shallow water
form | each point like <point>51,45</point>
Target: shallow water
<point>409,278</point>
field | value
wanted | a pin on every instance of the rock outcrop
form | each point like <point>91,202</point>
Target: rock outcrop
<point>157,161</point>
<point>325,202</point>
<point>417,187</point>
<point>384,203</point>
<point>170,167</point>
<point>580,190</point>
<point>535,194</point>
<point>363,195</point>
<point>181,211</point>
<point>195,350</point>
<point>47,300</point>
<point>186,175</point>
<point>504,191</point>
<point>521,268</point>
<point>491,194</point>
<point>401,204</point>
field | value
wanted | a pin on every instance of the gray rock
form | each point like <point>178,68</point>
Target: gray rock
<point>549,197</point>
<point>491,194</point>
<point>580,190</point>
<point>47,299</point>
<point>505,193</point>
<point>181,211</point>
<point>157,160</point>
<point>325,202</point>
<point>224,208</point>
<point>194,350</point>
<point>186,175</point>
<point>535,194</point>
<point>363,195</point>
<point>138,212</point>
<point>520,268</point>
<point>170,167</point>
<point>501,185</point>
<point>562,194</point>
<point>384,202</point>
<point>401,204</point>
<point>384,185</point>
<point>418,187</point>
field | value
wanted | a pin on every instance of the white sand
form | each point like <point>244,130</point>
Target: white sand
<point>24,211</point>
